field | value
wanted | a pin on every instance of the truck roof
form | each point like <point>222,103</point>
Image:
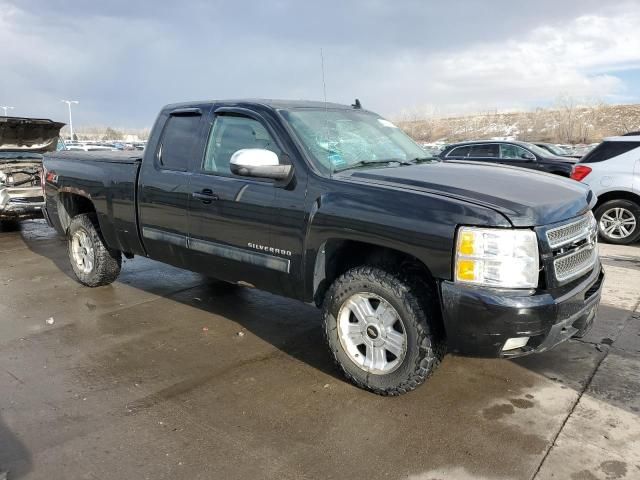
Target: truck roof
<point>268,102</point>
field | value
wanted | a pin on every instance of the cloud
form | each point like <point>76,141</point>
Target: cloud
<point>123,60</point>
<point>579,59</point>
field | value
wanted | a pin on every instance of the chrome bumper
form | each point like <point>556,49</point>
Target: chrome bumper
<point>21,202</point>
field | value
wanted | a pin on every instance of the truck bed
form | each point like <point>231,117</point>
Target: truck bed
<point>109,180</point>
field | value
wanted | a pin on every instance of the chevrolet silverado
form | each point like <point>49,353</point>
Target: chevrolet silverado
<point>408,257</point>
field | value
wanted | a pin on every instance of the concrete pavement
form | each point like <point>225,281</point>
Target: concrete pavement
<point>167,375</point>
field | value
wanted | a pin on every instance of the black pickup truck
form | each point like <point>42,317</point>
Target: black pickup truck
<point>408,257</point>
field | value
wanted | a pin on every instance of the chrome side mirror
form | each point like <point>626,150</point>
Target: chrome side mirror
<point>260,163</point>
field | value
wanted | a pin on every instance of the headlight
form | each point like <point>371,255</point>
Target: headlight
<point>497,257</point>
<point>3,178</point>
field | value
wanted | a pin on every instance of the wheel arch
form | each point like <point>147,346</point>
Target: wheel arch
<point>617,195</point>
<point>335,256</point>
<point>72,203</point>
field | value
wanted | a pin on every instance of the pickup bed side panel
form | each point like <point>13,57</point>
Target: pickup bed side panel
<point>418,225</point>
<point>111,189</point>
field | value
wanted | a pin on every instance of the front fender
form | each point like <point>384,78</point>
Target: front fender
<point>419,225</point>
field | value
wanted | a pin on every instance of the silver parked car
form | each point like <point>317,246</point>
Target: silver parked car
<point>22,143</point>
<point>612,170</point>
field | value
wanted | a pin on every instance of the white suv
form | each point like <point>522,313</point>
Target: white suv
<point>612,170</point>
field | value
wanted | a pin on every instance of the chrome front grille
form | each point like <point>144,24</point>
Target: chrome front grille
<point>572,232</point>
<point>571,248</point>
<point>575,264</point>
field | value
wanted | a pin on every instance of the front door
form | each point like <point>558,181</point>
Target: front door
<point>516,156</point>
<point>230,216</point>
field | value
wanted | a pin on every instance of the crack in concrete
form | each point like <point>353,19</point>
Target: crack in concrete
<point>17,379</point>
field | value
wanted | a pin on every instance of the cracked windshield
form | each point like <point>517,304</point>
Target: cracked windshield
<point>339,140</point>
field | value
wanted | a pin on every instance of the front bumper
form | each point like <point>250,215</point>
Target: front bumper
<point>16,203</point>
<point>479,321</point>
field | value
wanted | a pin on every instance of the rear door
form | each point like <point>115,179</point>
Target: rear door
<point>485,152</point>
<point>231,216</point>
<point>164,190</point>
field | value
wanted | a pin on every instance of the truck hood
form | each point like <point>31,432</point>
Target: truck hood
<point>35,135</point>
<point>526,197</point>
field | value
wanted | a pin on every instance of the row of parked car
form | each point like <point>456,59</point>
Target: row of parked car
<point>612,170</point>
<point>99,146</point>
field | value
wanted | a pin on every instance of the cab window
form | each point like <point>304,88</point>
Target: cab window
<point>230,134</point>
<point>179,135</point>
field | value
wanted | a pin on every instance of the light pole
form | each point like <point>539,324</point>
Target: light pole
<point>6,108</point>
<point>69,102</point>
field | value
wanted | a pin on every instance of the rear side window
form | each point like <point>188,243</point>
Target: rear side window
<point>179,136</point>
<point>459,152</point>
<point>607,150</point>
<point>485,151</point>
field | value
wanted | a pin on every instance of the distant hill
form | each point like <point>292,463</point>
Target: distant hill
<point>567,124</point>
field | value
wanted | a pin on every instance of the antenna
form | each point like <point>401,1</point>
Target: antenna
<point>324,85</point>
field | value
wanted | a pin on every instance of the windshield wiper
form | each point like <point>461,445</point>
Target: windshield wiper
<point>367,163</point>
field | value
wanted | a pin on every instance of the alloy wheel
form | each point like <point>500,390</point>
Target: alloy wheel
<point>82,251</point>
<point>618,223</point>
<point>372,333</point>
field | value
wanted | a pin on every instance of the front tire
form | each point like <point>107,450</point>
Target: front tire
<point>93,263</point>
<point>382,330</point>
<point>619,221</point>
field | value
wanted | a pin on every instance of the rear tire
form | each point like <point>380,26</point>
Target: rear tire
<point>618,221</point>
<point>9,225</point>
<point>94,264</point>
<point>381,330</point>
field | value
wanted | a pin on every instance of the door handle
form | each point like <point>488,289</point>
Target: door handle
<point>206,195</point>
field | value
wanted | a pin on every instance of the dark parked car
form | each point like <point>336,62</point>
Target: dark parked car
<point>556,150</point>
<point>517,154</point>
<point>336,206</point>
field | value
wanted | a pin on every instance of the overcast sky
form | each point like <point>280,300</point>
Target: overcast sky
<point>124,59</point>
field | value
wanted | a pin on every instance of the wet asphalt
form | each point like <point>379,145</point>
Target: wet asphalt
<point>166,374</point>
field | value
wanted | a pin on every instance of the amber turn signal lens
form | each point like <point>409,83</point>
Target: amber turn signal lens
<point>466,270</point>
